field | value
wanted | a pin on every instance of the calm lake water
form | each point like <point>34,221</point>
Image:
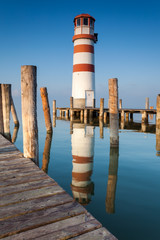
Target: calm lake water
<point>120,187</point>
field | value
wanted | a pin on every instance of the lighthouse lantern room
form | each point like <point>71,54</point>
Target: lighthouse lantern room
<point>83,81</point>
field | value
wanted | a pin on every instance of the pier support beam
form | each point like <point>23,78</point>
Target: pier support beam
<point>29,111</point>
<point>127,116</point>
<point>54,108</point>
<point>120,103</point>
<point>113,109</point>
<point>144,117</point>
<point>101,108</point>
<point>6,105</point>
<point>101,128</point>
<point>147,103</point>
<point>131,117</point>
<point>46,109</point>
<point>105,118</point>
<point>1,113</point>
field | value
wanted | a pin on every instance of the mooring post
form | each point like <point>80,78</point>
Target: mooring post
<point>105,118</point>
<point>151,115</point>
<point>54,108</point>
<point>158,126</point>
<point>46,152</point>
<point>122,116</point>
<point>6,105</point>
<point>120,103</point>
<point>101,128</point>
<point>1,113</point>
<point>67,113</point>
<point>46,109</point>
<point>14,114</point>
<point>144,117</point>
<point>147,103</point>
<point>112,180</point>
<point>127,116</point>
<point>29,111</point>
<point>101,108</point>
<point>113,109</point>
<point>82,115</point>
<point>143,127</point>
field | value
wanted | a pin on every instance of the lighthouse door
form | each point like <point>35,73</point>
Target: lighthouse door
<point>89,98</point>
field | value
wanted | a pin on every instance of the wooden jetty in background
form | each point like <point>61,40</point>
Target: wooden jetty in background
<point>32,205</point>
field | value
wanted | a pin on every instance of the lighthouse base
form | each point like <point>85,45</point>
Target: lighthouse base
<point>81,103</point>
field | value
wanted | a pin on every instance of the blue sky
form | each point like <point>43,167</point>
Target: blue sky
<point>40,33</point>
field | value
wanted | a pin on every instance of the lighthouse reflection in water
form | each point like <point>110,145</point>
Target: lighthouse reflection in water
<point>82,141</point>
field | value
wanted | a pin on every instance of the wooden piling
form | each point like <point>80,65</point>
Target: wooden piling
<point>54,108</point>
<point>105,117</point>
<point>147,103</point>
<point>82,115</point>
<point>127,116</point>
<point>67,114</point>
<point>131,117</point>
<point>71,102</point>
<point>158,126</point>
<point>120,103</point>
<point>15,132</point>
<point>54,121</point>
<point>101,128</point>
<point>151,115</point>
<point>14,113</point>
<point>113,109</point>
<point>46,152</point>
<point>29,111</point>
<point>46,109</point>
<point>122,115</point>
<point>101,108</point>
<point>6,105</point>
<point>144,117</point>
<point>1,113</point>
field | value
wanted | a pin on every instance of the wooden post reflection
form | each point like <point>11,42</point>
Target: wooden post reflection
<point>112,180</point>
<point>1,113</point>
<point>15,132</point>
<point>46,152</point>
<point>158,126</point>
<point>101,128</point>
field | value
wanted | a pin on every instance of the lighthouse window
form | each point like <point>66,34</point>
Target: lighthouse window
<point>91,22</point>
<point>78,22</point>
<point>85,21</point>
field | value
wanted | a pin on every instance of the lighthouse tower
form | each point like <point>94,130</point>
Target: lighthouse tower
<point>83,81</point>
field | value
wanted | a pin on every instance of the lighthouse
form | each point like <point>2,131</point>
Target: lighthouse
<point>83,80</point>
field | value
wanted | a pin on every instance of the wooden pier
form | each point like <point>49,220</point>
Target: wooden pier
<point>34,206</point>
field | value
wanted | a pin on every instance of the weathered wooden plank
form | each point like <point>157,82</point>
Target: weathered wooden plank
<point>30,194</point>
<point>10,156</point>
<point>26,186</point>
<point>23,179</point>
<point>72,231</point>
<point>36,219</point>
<point>34,205</point>
<point>11,165</point>
<point>99,234</point>
<point>21,173</point>
<point>21,168</point>
<point>10,149</point>
<point>51,228</point>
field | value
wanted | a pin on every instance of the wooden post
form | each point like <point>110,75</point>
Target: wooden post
<point>54,108</point>
<point>113,109</point>
<point>151,115</point>
<point>54,121</point>
<point>120,103</point>
<point>67,114</point>
<point>122,115</point>
<point>1,113</point>
<point>6,105</point>
<point>101,128</point>
<point>71,127</point>
<point>71,102</point>
<point>144,117</point>
<point>101,108</point>
<point>63,113</point>
<point>105,118</point>
<point>147,103</point>
<point>158,126</point>
<point>82,115</point>
<point>112,180</point>
<point>85,116</point>
<point>29,111</point>
<point>14,114</point>
<point>143,127</point>
<point>46,152</point>
<point>46,109</point>
<point>127,116</point>
<point>131,117</point>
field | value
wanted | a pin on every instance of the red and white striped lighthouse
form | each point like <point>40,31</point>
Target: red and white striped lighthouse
<point>83,81</point>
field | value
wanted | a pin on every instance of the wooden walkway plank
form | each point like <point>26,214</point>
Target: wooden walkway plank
<point>25,168</point>
<point>36,219</point>
<point>99,234</point>
<point>51,228</point>
<point>23,179</point>
<point>26,186</point>
<point>30,194</point>
<point>14,163</point>
<point>34,205</point>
